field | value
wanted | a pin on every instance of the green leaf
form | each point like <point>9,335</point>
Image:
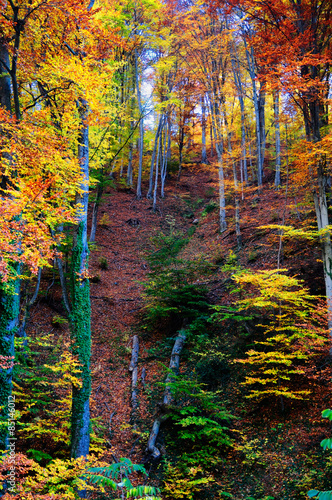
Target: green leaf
<point>327,414</point>
<point>312,493</point>
<point>127,483</point>
<point>325,495</point>
<point>321,495</point>
<point>326,444</point>
<point>101,481</point>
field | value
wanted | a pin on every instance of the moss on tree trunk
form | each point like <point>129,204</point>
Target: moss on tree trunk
<point>9,316</point>
<point>81,338</point>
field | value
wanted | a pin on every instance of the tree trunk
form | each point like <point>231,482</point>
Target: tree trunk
<point>9,296</point>
<point>153,158</point>
<point>163,171</point>
<point>21,333</point>
<point>216,127</point>
<point>133,369</point>
<point>321,207</point>
<point>277,179</point>
<point>63,284</point>
<point>141,132</point>
<point>238,83</point>
<point>211,140</point>
<point>130,162</point>
<point>181,143</point>
<point>169,138</point>
<point>204,155</point>
<point>261,111</point>
<point>313,122</point>
<point>81,309</point>
<point>156,174</point>
<point>100,190</point>
<point>252,73</point>
<point>236,185</point>
<point>9,321</point>
<point>4,79</point>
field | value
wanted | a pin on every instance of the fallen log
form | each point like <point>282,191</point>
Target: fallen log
<point>143,375</point>
<point>134,369</point>
<point>134,353</point>
<point>167,399</point>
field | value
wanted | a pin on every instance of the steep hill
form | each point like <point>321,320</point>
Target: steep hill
<point>276,450</point>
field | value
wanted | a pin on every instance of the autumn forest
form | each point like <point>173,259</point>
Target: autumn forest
<point>165,249</point>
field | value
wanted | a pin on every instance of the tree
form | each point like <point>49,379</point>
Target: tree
<point>41,174</point>
<point>28,184</point>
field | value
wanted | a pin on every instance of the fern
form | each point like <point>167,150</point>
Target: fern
<point>115,476</point>
<point>320,495</point>
<point>326,444</point>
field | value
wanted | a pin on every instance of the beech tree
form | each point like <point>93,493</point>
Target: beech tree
<point>29,182</point>
<point>41,174</point>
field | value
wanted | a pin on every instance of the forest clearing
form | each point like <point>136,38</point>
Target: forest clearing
<point>165,249</point>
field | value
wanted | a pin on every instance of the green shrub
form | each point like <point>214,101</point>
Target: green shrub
<point>174,290</point>
<point>103,263</point>
<point>210,207</point>
<point>201,425</point>
<point>191,231</point>
<point>58,321</point>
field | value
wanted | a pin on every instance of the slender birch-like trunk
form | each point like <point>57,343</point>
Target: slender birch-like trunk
<point>204,158</point>
<point>153,158</point>
<point>166,145</point>
<point>216,128</point>
<point>100,190</point>
<point>130,161</point>
<point>156,174</point>
<point>236,184</point>
<point>238,83</point>
<point>141,131</point>
<point>252,73</point>
<point>277,179</point>
<point>181,144</point>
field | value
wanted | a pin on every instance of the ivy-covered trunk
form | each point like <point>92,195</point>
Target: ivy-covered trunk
<point>9,314</point>
<point>80,295</point>
<point>9,293</point>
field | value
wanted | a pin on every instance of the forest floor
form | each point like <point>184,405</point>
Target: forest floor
<point>119,268</point>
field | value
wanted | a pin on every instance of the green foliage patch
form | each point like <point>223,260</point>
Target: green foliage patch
<point>174,290</point>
